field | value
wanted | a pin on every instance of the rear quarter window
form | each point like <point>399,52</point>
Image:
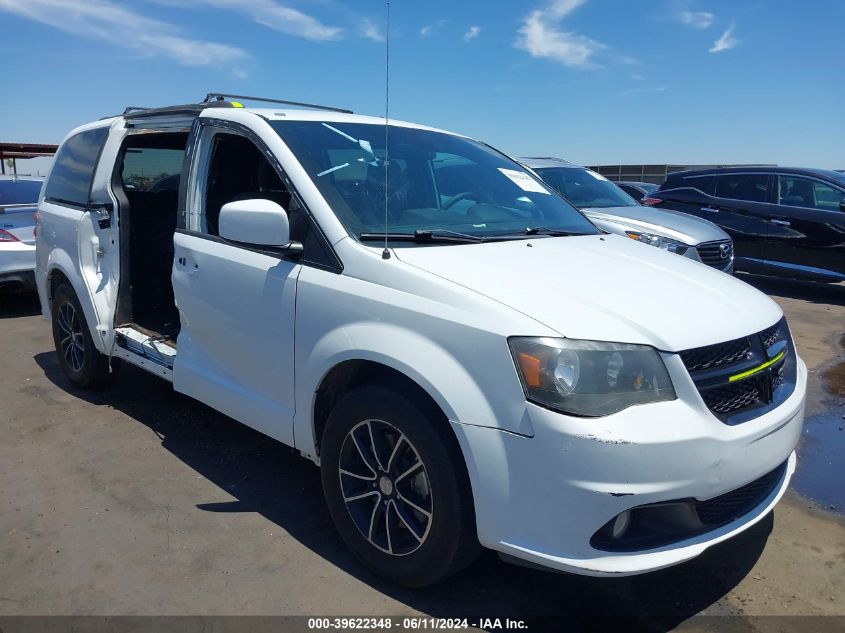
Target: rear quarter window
<point>705,184</point>
<point>743,186</point>
<point>73,169</point>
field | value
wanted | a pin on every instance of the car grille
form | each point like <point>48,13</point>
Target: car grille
<point>735,396</point>
<point>773,334</point>
<point>732,505</point>
<point>717,254</point>
<point>716,355</point>
<point>777,377</point>
<point>729,379</point>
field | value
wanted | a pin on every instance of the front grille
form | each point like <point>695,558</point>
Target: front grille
<point>729,378</point>
<point>774,334</point>
<point>778,377</point>
<point>712,356</point>
<point>716,254</point>
<point>735,396</point>
<point>732,505</point>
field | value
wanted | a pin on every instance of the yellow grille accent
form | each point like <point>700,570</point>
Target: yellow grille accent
<point>758,369</point>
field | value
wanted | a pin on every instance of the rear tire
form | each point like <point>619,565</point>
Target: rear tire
<point>79,358</point>
<point>396,487</point>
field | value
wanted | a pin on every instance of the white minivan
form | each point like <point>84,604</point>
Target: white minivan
<point>467,358</point>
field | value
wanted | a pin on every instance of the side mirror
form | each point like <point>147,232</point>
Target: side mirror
<point>258,222</point>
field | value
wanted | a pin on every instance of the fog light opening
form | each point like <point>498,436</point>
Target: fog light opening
<point>620,525</point>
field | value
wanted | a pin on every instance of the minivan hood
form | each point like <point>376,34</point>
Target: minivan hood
<point>679,226</point>
<point>605,287</point>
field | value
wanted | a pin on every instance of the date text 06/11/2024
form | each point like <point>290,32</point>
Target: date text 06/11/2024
<point>414,623</point>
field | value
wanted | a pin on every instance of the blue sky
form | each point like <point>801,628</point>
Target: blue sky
<point>593,81</point>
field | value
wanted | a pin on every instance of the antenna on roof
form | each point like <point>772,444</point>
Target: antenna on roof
<point>385,254</point>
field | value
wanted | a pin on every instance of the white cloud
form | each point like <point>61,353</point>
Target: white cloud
<point>276,16</point>
<point>636,91</point>
<point>697,19</point>
<point>637,77</point>
<point>368,29</point>
<point>541,37</point>
<point>121,26</point>
<point>726,42</point>
<point>472,33</point>
<point>432,29</point>
<point>189,52</point>
<point>562,8</point>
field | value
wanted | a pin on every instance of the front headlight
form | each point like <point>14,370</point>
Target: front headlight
<point>589,378</point>
<point>666,243</point>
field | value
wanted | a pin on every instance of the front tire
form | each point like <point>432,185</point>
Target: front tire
<point>79,358</point>
<point>396,487</point>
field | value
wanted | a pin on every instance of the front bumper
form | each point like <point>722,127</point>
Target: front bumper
<point>542,498</point>
<point>17,262</point>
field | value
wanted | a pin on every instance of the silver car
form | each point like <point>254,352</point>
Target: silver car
<point>614,211</point>
<point>18,200</point>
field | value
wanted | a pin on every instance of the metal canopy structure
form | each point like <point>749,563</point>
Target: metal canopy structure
<point>16,151</point>
<point>655,174</point>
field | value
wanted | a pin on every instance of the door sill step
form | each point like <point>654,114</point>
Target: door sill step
<point>144,351</point>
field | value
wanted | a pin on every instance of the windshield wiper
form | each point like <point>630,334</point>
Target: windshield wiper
<point>542,230</point>
<point>424,236</point>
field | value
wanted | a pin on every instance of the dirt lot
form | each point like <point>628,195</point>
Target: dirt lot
<point>137,500</point>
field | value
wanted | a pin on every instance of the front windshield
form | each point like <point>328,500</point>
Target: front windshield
<point>434,181</point>
<point>586,189</point>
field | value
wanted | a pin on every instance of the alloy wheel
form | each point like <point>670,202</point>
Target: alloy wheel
<point>71,341</point>
<point>385,487</point>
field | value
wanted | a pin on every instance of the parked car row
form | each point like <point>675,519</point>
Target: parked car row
<point>784,222</point>
<point>468,358</point>
<point>771,221</point>
<point>637,190</point>
<point>18,200</point>
<point>614,211</point>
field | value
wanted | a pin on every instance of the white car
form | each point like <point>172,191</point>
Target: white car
<point>18,199</point>
<point>467,358</point>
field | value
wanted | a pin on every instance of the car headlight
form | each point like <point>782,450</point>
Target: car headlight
<point>589,378</point>
<point>666,243</point>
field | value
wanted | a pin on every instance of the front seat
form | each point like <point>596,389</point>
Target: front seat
<point>374,189</point>
<point>800,194</point>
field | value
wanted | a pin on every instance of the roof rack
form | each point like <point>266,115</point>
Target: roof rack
<point>135,112</point>
<point>214,97</point>
<point>215,100</point>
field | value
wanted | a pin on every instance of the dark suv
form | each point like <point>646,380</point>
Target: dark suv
<point>783,221</point>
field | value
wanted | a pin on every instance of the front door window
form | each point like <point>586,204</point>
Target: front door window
<point>794,191</point>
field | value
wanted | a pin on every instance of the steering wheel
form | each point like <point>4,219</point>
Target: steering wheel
<point>464,195</point>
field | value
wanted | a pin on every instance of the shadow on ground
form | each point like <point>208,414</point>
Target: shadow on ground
<point>815,292</point>
<point>273,480</point>
<point>18,304</point>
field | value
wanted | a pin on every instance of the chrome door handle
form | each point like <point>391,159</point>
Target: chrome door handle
<point>710,209</point>
<point>781,222</point>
